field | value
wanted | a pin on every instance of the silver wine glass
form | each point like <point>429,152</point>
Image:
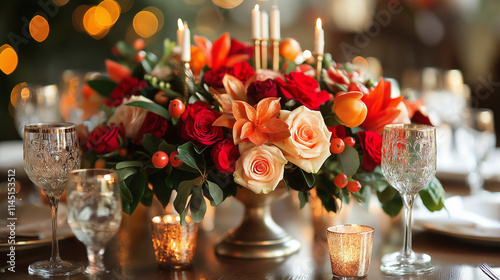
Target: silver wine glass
<point>95,212</point>
<point>50,152</point>
<point>408,164</point>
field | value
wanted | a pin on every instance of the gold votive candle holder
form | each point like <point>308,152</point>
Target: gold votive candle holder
<point>350,248</point>
<point>174,243</point>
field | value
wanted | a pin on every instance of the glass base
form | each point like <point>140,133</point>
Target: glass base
<point>54,268</point>
<point>396,264</point>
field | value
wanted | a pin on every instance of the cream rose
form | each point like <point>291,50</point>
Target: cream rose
<point>259,168</point>
<point>309,144</point>
<point>131,117</point>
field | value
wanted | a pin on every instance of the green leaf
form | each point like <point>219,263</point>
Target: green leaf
<point>387,194</point>
<point>393,207</point>
<point>162,191</point>
<point>126,172</point>
<point>125,193</point>
<point>433,195</point>
<point>349,160</point>
<point>147,197</point>
<point>125,49</point>
<point>151,143</point>
<point>167,148</point>
<point>309,178</point>
<point>152,107</point>
<point>125,164</point>
<point>303,198</point>
<point>197,205</point>
<point>136,186</point>
<point>188,153</point>
<point>215,192</point>
<point>290,67</point>
<point>102,86</point>
<point>183,192</point>
<point>149,62</point>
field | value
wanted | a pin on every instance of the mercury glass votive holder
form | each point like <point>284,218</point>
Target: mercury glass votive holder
<point>350,248</point>
<point>174,243</point>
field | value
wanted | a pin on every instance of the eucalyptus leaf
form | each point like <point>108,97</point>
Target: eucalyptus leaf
<point>309,178</point>
<point>303,198</point>
<point>215,192</point>
<point>433,196</point>
<point>162,191</point>
<point>151,143</point>
<point>349,160</point>
<point>137,186</point>
<point>197,205</point>
<point>152,107</point>
<point>183,192</point>
<point>147,197</point>
<point>126,172</point>
<point>393,207</point>
<point>188,153</point>
<point>125,193</point>
<point>129,163</point>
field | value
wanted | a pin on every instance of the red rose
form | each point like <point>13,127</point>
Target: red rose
<point>259,90</point>
<point>214,77</point>
<point>304,89</point>
<point>224,155</point>
<point>239,48</point>
<point>196,125</point>
<point>371,142</point>
<point>338,131</point>
<point>106,139</point>
<point>243,71</point>
<point>126,88</point>
<point>153,124</point>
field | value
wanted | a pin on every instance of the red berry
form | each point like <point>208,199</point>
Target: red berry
<point>337,146</point>
<point>160,159</point>
<point>139,44</point>
<point>349,141</point>
<point>176,108</point>
<point>123,152</point>
<point>139,56</point>
<point>354,186</point>
<point>160,98</point>
<point>340,180</point>
<point>100,163</point>
<point>174,160</point>
<point>115,51</point>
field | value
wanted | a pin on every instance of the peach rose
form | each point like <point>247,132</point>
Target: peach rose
<point>131,117</point>
<point>309,144</point>
<point>259,168</point>
<point>264,74</point>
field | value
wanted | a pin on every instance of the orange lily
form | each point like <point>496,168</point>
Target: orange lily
<point>217,54</point>
<point>257,125</point>
<point>382,109</point>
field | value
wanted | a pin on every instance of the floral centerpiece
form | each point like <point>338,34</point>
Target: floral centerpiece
<point>219,124</point>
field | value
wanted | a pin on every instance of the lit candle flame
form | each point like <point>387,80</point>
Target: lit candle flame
<point>307,54</point>
<point>256,7</point>
<point>318,24</point>
<point>180,24</point>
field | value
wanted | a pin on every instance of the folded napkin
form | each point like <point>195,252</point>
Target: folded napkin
<point>35,221</point>
<point>466,215</point>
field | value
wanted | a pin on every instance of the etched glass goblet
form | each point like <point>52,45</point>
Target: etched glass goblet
<point>95,212</point>
<point>50,152</point>
<point>408,164</point>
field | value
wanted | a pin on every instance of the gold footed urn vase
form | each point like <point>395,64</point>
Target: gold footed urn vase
<point>258,236</point>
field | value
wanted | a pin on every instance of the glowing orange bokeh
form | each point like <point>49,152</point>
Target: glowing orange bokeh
<point>39,28</point>
<point>145,24</point>
<point>8,59</point>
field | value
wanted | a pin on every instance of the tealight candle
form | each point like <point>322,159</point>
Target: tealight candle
<point>319,38</point>
<point>186,44</point>
<point>174,244</point>
<point>350,249</point>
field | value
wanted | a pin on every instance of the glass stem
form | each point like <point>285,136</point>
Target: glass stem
<point>408,200</point>
<point>96,261</point>
<point>54,202</point>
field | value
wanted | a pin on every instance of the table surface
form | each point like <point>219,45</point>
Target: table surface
<point>130,253</point>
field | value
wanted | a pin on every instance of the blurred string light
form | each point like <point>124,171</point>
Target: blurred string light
<point>145,24</point>
<point>158,14</point>
<point>60,2</point>
<point>227,4</point>
<point>125,5</point>
<point>39,28</point>
<point>8,59</point>
<point>18,94</point>
<point>77,18</point>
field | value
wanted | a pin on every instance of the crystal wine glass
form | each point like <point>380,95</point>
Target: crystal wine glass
<point>51,151</point>
<point>95,208</point>
<point>408,164</point>
<point>480,142</point>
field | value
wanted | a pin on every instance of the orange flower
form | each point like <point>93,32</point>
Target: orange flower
<point>349,108</point>
<point>217,54</point>
<point>382,109</point>
<point>257,125</point>
<point>197,61</point>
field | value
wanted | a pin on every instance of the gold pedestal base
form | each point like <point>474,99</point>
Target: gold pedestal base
<point>258,236</point>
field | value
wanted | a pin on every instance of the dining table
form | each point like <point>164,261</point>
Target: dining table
<point>130,253</point>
